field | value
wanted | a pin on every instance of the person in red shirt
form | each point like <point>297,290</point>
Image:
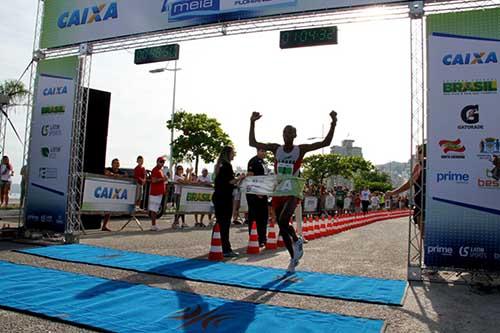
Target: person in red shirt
<point>157,191</point>
<point>140,178</point>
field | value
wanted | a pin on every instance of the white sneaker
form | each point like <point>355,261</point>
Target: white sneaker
<point>298,249</point>
<point>154,228</point>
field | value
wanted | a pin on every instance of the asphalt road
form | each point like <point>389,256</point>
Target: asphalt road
<point>377,250</point>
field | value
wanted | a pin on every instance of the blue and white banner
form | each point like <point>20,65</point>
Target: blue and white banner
<point>67,22</point>
<point>50,146</point>
<point>462,227</point>
<point>108,195</point>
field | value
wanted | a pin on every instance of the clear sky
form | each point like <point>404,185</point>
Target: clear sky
<point>365,78</point>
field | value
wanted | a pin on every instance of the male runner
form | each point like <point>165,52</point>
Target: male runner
<point>288,159</point>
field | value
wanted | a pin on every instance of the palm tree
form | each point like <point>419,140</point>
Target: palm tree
<point>16,91</point>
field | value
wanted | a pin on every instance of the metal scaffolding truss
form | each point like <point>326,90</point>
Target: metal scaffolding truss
<point>415,11</point>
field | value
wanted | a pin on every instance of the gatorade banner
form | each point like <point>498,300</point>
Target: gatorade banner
<point>462,224</point>
<point>274,186</point>
<point>50,145</point>
<point>108,195</point>
<point>67,22</point>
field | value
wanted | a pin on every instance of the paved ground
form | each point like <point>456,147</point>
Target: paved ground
<point>377,250</point>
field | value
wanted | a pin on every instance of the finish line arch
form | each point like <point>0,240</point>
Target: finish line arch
<point>228,21</point>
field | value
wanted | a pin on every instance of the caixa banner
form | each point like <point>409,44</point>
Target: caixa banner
<point>68,22</point>
<point>108,195</point>
<point>462,223</point>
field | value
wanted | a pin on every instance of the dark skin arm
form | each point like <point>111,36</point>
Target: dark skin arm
<point>272,147</point>
<point>304,148</point>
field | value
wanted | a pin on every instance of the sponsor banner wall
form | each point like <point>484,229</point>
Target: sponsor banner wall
<point>108,195</point>
<point>462,227</point>
<point>67,22</point>
<point>50,146</point>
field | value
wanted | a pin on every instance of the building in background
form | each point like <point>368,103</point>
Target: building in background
<point>347,149</point>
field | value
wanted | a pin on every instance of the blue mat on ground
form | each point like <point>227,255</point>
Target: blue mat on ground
<point>124,307</point>
<point>354,288</point>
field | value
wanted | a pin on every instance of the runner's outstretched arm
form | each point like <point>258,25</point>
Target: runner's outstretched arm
<point>305,148</point>
<point>272,147</point>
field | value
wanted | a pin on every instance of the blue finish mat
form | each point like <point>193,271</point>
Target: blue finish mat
<point>354,288</point>
<point>124,307</point>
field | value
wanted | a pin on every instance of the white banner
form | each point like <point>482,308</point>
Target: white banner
<point>109,195</point>
<point>67,22</point>
<point>196,199</point>
<point>330,202</point>
<point>463,212</point>
<point>310,204</point>
<point>50,149</point>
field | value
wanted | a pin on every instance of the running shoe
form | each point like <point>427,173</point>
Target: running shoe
<point>298,249</point>
<point>154,228</point>
<point>291,266</point>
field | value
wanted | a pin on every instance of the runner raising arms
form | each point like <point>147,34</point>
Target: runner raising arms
<point>288,159</point>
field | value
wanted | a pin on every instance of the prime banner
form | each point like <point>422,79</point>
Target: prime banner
<point>67,22</point>
<point>50,145</point>
<point>109,195</point>
<point>462,226</point>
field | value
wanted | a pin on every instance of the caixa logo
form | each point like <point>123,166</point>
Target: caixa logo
<point>444,251</point>
<point>473,58</point>
<point>89,15</point>
<point>110,193</point>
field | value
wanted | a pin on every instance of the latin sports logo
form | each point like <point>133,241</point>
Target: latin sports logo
<point>472,58</point>
<point>97,13</point>
<point>470,87</point>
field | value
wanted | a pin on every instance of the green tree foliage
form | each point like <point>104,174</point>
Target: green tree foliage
<point>202,138</point>
<point>15,90</point>
<point>320,167</point>
<point>373,179</point>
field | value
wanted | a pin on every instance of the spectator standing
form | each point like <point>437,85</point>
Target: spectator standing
<point>204,180</point>
<point>223,197</point>
<point>114,172</point>
<point>179,179</point>
<point>156,191</point>
<point>375,201</point>
<point>257,204</point>
<point>347,203</point>
<point>6,173</point>
<point>24,183</point>
<point>365,199</point>
<point>140,179</point>
<point>357,203</point>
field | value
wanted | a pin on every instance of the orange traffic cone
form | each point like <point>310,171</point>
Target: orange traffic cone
<point>323,227</point>
<point>281,243</point>
<point>317,226</point>
<point>305,229</point>
<point>272,242</point>
<point>216,245</point>
<point>253,240</point>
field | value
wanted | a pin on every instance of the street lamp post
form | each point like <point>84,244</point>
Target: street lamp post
<point>322,137</point>
<point>161,70</point>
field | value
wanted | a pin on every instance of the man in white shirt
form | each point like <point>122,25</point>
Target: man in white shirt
<point>365,199</point>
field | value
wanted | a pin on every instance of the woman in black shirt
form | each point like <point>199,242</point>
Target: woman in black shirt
<point>223,197</point>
